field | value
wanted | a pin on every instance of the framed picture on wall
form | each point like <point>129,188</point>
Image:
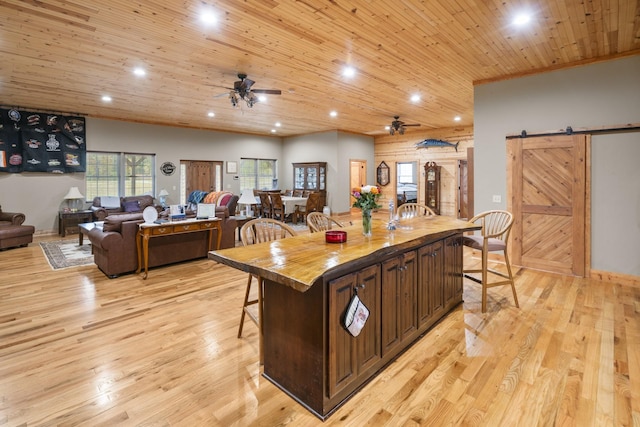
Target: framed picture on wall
<point>232,167</point>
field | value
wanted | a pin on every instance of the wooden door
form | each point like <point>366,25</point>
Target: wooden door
<point>203,176</point>
<point>548,197</point>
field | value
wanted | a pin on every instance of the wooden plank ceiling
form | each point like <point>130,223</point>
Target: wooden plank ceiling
<point>65,55</point>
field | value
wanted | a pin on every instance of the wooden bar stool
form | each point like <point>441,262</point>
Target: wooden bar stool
<point>255,231</point>
<point>496,225</point>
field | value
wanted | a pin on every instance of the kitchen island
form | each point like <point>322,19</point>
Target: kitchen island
<point>408,278</point>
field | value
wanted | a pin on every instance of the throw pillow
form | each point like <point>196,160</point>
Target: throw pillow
<point>132,206</point>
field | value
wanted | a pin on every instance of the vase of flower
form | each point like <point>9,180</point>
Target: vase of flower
<point>366,222</point>
<point>366,198</point>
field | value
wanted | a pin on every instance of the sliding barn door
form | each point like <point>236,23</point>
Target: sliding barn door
<point>548,178</point>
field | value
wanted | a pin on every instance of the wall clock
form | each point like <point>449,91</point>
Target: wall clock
<point>168,168</point>
<point>383,173</point>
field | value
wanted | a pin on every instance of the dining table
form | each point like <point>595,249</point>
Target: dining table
<point>290,202</point>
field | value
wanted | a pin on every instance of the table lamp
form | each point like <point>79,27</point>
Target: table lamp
<point>74,199</point>
<point>162,195</point>
<point>247,198</point>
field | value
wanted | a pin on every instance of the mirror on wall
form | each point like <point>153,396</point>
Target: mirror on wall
<point>406,182</point>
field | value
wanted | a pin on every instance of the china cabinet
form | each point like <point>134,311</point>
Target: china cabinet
<point>311,176</point>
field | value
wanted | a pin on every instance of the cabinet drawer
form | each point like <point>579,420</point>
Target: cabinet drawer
<point>161,230</point>
<point>181,228</point>
<point>208,225</point>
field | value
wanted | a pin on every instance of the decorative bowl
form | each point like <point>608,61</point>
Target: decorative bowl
<point>335,236</point>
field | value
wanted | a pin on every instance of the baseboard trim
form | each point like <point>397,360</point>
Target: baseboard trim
<point>623,279</point>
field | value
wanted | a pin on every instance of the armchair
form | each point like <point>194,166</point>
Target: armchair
<point>11,218</point>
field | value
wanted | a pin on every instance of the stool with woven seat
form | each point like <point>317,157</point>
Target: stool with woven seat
<point>256,231</point>
<point>493,237</point>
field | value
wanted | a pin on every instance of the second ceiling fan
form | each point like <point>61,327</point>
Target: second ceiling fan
<point>398,125</point>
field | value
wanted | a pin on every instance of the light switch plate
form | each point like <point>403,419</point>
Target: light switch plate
<point>497,198</point>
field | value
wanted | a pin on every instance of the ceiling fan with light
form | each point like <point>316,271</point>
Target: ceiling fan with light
<point>242,90</point>
<point>398,125</point>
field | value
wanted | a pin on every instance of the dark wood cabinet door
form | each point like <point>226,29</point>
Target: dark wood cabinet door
<point>452,269</point>
<point>398,311</point>
<point>430,286</point>
<point>348,355</point>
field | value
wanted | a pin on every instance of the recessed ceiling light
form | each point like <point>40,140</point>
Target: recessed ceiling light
<point>211,114</point>
<point>262,98</point>
<point>106,98</point>
<point>208,17</point>
<point>140,72</point>
<point>522,19</point>
<point>387,127</point>
<point>333,114</point>
<point>273,131</point>
<point>278,124</point>
<point>415,98</point>
<point>348,71</point>
<point>457,118</point>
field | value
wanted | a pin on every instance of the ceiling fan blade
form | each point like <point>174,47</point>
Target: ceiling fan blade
<point>268,91</point>
<point>220,95</point>
<point>415,124</point>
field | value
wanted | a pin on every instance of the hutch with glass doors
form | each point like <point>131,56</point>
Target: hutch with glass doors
<point>311,176</point>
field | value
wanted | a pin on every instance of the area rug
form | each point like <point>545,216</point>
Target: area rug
<point>66,253</point>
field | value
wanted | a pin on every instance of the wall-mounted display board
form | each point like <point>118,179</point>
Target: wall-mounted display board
<point>41,142</point>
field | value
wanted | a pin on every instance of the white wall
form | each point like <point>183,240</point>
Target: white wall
<point>591,96</point>
<point>335,148</point>
<point>39,195</point>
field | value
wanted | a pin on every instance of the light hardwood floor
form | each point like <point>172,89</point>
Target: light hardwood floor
<point>77,348</point>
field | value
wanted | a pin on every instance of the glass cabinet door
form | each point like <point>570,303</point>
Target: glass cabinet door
<point>299,175</point>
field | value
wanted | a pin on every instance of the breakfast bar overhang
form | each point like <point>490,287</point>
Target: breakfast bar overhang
<point>408,278</point>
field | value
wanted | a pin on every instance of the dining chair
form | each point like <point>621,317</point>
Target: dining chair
<point>410,210</point>
<point>494,237</point>
<point>297,193</point>
<point>317,221</point>
<point>277,207</point>
<point>259,230</point>
<point>265,204</point>
<point>313,200</point>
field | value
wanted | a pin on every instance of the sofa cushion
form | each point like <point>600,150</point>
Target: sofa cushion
<point>110,202</point>
<point>131,206</point>
<point>224,199</point>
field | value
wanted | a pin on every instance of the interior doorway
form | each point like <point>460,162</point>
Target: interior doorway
<point>357,176</point>
<point>200,175</point>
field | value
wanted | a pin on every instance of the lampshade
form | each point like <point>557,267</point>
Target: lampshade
<point>163,193</point>
<point>247,198</point>
<point>74,193</point>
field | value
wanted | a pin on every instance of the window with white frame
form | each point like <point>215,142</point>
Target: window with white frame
<point>119,174</point>
<point>258,174</point>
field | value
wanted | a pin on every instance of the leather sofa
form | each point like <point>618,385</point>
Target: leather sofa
<point>12,232</point>
<point>115,251</point>
<point>127,205</point>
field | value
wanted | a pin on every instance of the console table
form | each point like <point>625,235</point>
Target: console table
<point>70,220</point>
<point>409,278</point>
<point>147,231</point>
